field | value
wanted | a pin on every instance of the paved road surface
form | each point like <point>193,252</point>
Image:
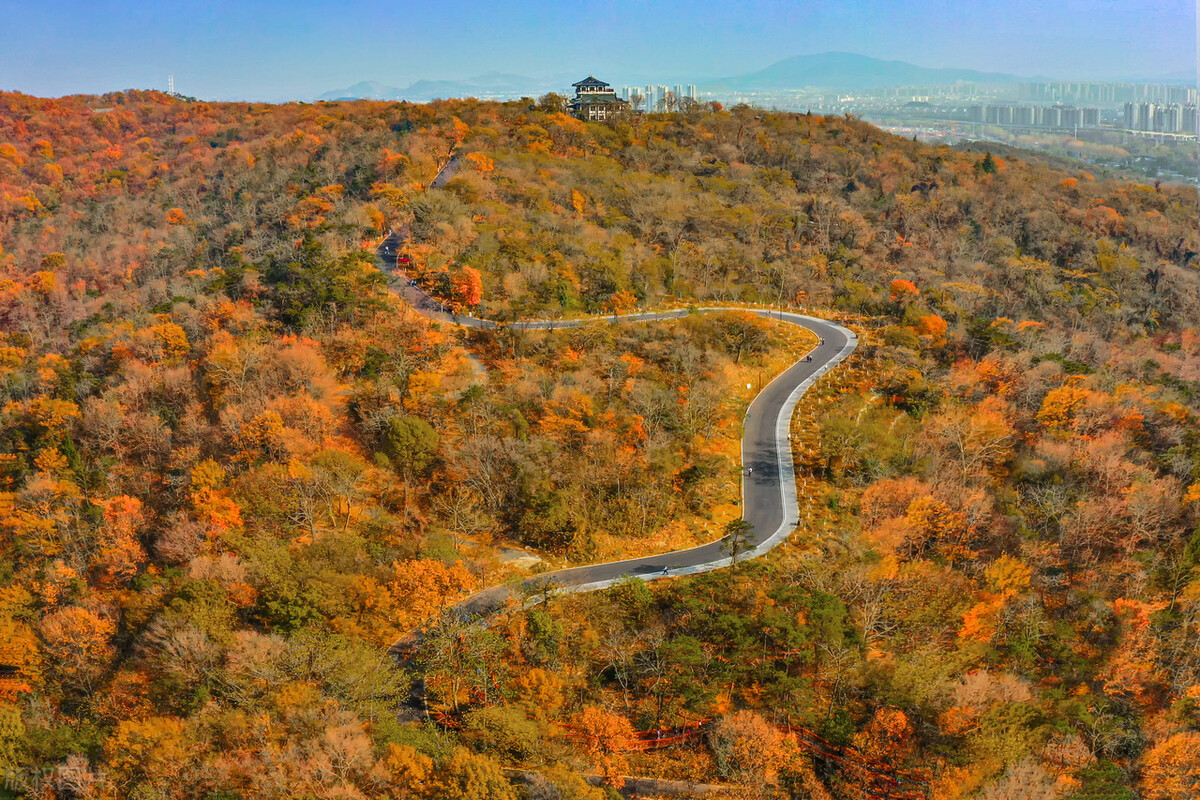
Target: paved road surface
<point>769,490</point>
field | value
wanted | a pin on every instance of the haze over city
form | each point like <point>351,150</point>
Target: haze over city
<point>269,50</point>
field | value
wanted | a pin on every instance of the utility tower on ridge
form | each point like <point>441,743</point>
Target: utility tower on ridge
<point>171,85</point>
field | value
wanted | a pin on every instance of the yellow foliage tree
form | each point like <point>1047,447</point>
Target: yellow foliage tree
<point>1007,574</point>
<point>77,645</point>
<point>931,522</point>
<point>40,513</point>
<point>1060,405</point>
<point>19,654</point>
<point>152,750</point>
<point>416,595</point>
<point>262,437</point>
<point>426,586</point>
<point>172,339</point>
<point>467,776</point>
<point>540,692</point>
<point>408,770</point>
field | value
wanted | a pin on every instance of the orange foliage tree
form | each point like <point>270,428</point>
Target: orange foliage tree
<point>605,737</point>
<point>121,554</point>
<point>1171,769</point>
<point>468,287</point>
<point>903,291</point>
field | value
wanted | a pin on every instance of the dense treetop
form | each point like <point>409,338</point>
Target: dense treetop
<point>234,467</point>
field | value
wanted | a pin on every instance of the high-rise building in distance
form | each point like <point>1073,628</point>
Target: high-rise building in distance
<point>657,98</point>
<point>1161,117</point>
<point>1028,116</point>
<point>651,98</point>
<point>1106,94</point>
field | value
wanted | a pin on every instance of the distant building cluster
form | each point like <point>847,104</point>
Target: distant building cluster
<point>1035,116</point>
<point>661,98</point>
<point>1161,117</point>
<point>596,100</point>
<point>1105,94</point>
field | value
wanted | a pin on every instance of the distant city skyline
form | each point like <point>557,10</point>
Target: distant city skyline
<point>270,50</point>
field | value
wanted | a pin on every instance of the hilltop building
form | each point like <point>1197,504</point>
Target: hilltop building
<point>595,101</point>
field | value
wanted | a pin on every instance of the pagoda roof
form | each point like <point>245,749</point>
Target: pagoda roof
<point>596,100</point>
<point>589,83</point>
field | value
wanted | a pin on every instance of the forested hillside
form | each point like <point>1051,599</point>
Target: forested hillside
<point>234,468</point>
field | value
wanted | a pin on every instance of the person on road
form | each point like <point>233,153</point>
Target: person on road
<point>749,470</point>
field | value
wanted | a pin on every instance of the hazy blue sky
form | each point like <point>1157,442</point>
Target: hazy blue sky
<point>267,49</point>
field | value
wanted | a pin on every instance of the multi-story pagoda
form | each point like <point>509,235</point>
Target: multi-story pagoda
<point>596,101</point>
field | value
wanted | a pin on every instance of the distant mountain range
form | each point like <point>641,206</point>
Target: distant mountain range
<point>817,71</point>
<point>853,71</point>
<point>491,85</point>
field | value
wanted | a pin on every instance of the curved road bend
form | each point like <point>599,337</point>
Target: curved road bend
<point>769,499</point>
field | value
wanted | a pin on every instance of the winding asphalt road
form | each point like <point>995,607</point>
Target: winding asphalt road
<point>769,499</point>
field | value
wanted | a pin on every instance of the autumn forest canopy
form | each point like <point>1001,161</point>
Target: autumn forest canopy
<point>235,466</point>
